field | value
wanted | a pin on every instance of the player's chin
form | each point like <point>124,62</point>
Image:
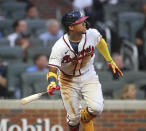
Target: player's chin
<point>84,31</point>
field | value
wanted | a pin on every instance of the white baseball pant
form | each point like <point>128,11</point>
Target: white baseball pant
<point>72,91</point>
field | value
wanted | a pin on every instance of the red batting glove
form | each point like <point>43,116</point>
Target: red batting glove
<point>52,87</point>
<point>115,70</point>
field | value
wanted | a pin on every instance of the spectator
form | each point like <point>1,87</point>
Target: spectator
<point>40,64</point>
<point>144,8</point>
<point>82,4</point>
<point>53,32</point>
<point>2,17</point>
<point>3,81</point>
<point>97,13</point>
<point>128,92</point>
<point>141,45</point>
<point>31,12</point>
<point>91,8</point>
<point>26,1</point>
<point>118,59</point>
<point>19,26</point>
<point>23,42</point>
<point>143,88</point>
<point>1,35</point>
<point>86,7</point>
<point>116,41</point>
<point>114,2</point>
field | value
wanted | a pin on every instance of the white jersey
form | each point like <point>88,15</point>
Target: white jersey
<point>70,63</point>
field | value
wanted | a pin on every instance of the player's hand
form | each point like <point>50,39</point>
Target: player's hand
<point>52,87</point>
<point>52,79</point>
<point>115,70</point>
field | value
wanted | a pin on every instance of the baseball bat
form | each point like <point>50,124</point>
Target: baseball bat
<point>33,97</point>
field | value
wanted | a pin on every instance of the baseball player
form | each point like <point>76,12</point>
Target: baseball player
<point>71,63</point>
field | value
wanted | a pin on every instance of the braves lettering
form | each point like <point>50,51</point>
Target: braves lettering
<point>85,52</point>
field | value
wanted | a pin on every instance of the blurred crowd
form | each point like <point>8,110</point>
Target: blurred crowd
<point>26,39</point>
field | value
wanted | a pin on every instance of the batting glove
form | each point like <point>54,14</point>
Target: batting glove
<point>52,78</point>
<point>115,70</point>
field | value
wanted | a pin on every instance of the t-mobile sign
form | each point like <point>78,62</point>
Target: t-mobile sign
<point>41,125</point>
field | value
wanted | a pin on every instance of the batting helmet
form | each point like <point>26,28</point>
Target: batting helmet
<point>72,18</point>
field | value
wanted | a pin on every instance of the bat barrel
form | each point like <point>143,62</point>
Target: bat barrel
<point>32,98</point>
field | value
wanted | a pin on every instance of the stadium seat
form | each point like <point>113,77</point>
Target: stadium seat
<point>145,42</point>
<point>111,12</point>
<point>41,84</point>
<point>14,74</point>
<point>11,55</point>
<point>32,52</point>
<point>4,42</point>
<point>110,87</point>
<point>129,22</point>
<point>130,55</point>
<point>18,15</point>
<point>40,31</point>
<point>141,82</point>
<point>3,14</point>
<point>7,1</point>
<point>30,78</point>
<point>105,76</point>
<point>6,26</point>
<point>35,83</point>
<point>134,4</point>
<point>134,27</point>
<point>36,42</point>
<point>51,43</point>
<point>134,76</point>
<point>12,6</point>
<point>35,25</point>
<point>139,94</point>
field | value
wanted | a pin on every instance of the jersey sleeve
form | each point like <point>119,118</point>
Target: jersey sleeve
<point>96,36</point>
<point>55,57</point>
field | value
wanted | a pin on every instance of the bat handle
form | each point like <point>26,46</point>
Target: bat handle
<point>50,91</point>
<point>43,93</point>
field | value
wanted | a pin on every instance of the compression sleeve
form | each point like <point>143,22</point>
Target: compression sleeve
<point>103,49</point>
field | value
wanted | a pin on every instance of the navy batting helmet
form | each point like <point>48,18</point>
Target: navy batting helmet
<point>72,18</point>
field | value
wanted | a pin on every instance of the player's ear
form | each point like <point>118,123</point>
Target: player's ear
<point>71,27</point>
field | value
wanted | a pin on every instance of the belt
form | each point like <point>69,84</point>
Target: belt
<point>75,75</point>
